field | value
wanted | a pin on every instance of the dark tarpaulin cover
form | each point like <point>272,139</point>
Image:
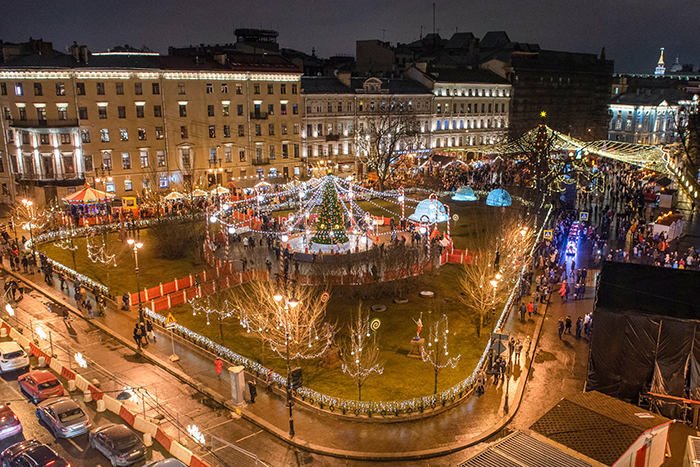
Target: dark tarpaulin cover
<point>695,366</point>
<point>605,358</point>
<point>637,368</point>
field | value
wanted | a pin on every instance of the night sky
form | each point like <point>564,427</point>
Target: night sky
<point>631,30</point>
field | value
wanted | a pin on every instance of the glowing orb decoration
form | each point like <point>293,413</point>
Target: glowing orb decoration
<point>464,193</point>
<point>499,197</point>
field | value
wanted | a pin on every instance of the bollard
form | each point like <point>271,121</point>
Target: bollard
<point>147,440</point>
<point>87,396</point>
<point>101,406</point>
<point>71,385</point>
<point>42,362</point>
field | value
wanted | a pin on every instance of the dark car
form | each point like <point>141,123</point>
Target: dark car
<point>9,423</point>
<point>64,417</point>
<point>31,453</point>
<point>118,444</point>
<point>39,385</point>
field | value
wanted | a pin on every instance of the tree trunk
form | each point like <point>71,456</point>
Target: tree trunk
<point>436,375</point>
<point>359,388</point>
<point>481,324</point>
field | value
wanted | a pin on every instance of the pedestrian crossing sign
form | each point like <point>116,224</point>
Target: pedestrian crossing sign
<point>547,234</point>
<point>170,319</point>
<point>583,217</point>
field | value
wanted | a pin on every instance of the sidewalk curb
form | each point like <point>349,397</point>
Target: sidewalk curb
<point>283,435</point>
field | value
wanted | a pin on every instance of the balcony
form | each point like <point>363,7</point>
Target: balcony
<point>332,137</point>
<point>258,115</point>
<point>261,161</point>
<point>66,123</point>
<point>75,179</point>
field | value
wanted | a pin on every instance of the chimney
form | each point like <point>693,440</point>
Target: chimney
<point>84,53</point>
<point>220,58</point>
<point>344,77</point>
<point>75,51</point>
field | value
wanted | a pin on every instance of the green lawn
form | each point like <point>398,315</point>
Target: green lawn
<point>152,270</point>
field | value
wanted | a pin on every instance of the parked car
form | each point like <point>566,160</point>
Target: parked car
<point>118,444</point>
<point>9,423</point>
<point>39,385</point>
<point>31,453</point>
<point>12,357</point>
<point>172,462</point>
<point>64,417</point>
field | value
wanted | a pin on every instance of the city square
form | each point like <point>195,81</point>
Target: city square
<point>453,251</point>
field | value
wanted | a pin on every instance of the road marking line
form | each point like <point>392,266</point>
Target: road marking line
<point>218,424</point>
<point>76,445</point>
<point>249,436</point>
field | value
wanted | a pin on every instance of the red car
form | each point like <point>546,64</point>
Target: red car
<point>39,385</point>
<point>9,423</point>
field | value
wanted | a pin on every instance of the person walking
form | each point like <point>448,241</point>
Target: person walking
<point>144,335</point>
<point>62,278</point>
<point>561,327</point>
<point>562,291</point>
<point>137,336</point>
<point>568,324</point>
<point>480,381</point>
<point>579,327</point>
<point>219,365</point>
<point>252,388</point>
<point>530,308</point>
<point>518,351</point>
<point>149,330</point>
<point>125,300</point>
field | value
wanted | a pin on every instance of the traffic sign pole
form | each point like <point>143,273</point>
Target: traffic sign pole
<point>171,323</point>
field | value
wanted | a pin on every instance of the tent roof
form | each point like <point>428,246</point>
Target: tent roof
<point>88,195</point>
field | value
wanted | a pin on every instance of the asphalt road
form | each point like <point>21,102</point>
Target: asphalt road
<point>76,450</point>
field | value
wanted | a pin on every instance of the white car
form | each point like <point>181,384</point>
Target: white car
<point>12,357</point>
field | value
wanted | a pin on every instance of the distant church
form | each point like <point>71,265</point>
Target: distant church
<point>661,67</point>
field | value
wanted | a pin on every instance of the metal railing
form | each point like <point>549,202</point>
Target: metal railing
<point>36,123</point>
<point>261,161</point>
<point>258,115</point>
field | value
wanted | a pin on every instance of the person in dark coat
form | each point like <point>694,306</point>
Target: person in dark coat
<point>253,391</point>
<point>561,327</point>
<point>568,324</point>
<point>137,335</point>
<point>579,327</point>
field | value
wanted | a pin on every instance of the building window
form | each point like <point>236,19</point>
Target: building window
<point>295,129</point>
<point>160,155</point>
<point>155,88</point>
<point>271,129</point>
<point>3,89</point>
<point>283,129</point>
<point>104,135</point>
<point>80,88</point>
<point>109,187</point>
<point>107,160</point>
<point>256,88</point>
<point>258,130</point>
<point>126,161</point>
<point>25,137</point>
<point>181,88</point>
<point>239,89</point>
<point>210,88</point>
<point>38,89</point>
<point>85,135</point>
<point>18,89</point>
<point>183,110</point>
<point>142,134</point>
<point>63,113</point>
<point>183,132</point>
<point>87,162</point>
<point>295,109</point>
<point>319,129</point>
<point>294,88</point>
<point>65,138</point>
<point>157,111</point>
<point>163,182</point>
<point>340,129</point>
<point>241,155</point>
<point>83,113</point>
<point>296,150</point>
<point>225,110</point>
<point>224,88</point>
<point>185,157</point>
<point>60,89</point>
<point>41,114</point>
<point>143,155</point>
<point>102,111</point>
<point>271,109</point>
<point>285,151</point>
<point>127,185</point>
<point>283,109</point>
<point>239,109</point>
<point>212,131</point>
<point>210,110</point>
<point>119,88</point>
<point>227,131</point>
<point>121,111</point>
<point>140,112</point>
<point>439,108</point>
<point>124,134</point>
<point>44,138</point>
<point>270,89</point>
<point>228,157</point>
<point>159,132</point>
<point>272,152</point>
<point>241,130</point>
<point>283,88</point>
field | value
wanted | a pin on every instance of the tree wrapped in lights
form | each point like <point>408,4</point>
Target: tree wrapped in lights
<point>297,322</point>
<point>436,354</point>
<point>360,355</point>
<point>330,228</point>
<point>97,251</point>
<point>221,309</point>
<point>499,253</point>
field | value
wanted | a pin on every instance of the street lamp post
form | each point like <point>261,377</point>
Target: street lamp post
<point>28,204</point>
<point>292,302</point>
<point>136,245</point>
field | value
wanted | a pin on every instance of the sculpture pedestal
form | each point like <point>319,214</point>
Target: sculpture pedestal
<point>237,374</point>
<point>331,359</point>
<point>416,348</point>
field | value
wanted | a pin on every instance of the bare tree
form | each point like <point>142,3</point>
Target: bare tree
<point>152,193</point>
<point>687,126</point>
<point>436,352</point>
<point>360,355</point>
<point>383,133</point>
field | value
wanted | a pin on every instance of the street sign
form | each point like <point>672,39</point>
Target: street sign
<point>455,217</point>
<point>170,326</point>
<point>548,234</point>
<point>325,296</point>
<point>170,319</point>
<point>583,217</point>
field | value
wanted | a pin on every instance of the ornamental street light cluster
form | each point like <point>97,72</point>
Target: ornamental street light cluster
<point>136,244</point>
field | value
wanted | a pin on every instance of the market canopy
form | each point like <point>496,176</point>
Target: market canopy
<point>199,193</point>
<point>88,196</point>
<point>174,196</point>
<point>219,190</point>
<point>429,211</point>
<point>464,193</point>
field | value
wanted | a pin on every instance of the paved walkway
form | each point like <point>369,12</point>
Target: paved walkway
<point>468,423</point>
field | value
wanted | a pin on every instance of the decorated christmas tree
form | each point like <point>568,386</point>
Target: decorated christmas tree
<point>330,228</point>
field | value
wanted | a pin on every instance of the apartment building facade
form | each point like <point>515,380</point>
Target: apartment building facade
<point>136,121</point>
<point>336,110</point>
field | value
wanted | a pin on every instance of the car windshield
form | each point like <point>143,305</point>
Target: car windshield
<point>15,354</point>
<point>49,384</point>
<point>124,441</point>
<point>70,415</point>
<point>42,455</point>
<point>6,420</point>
